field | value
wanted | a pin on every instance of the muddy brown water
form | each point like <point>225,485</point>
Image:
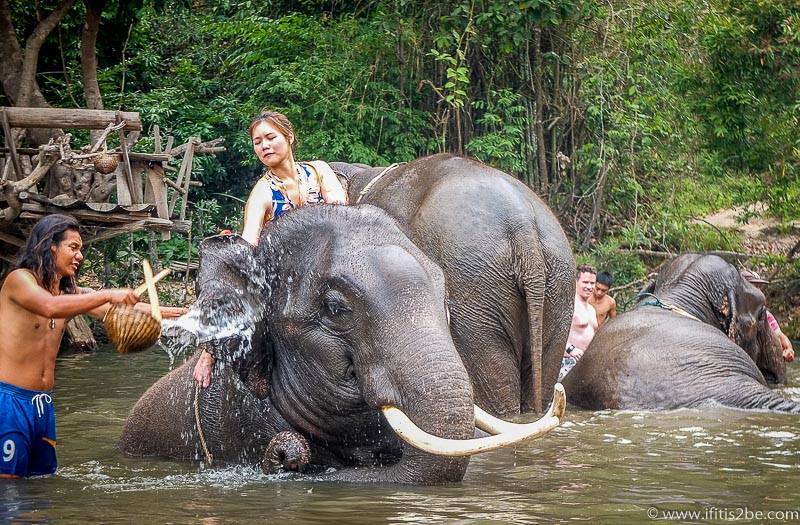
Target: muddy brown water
<point>714,465</point>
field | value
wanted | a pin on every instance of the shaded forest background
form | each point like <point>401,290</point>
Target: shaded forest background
<point>633,119</point>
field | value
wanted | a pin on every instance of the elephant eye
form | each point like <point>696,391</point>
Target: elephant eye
<point>335,303</point>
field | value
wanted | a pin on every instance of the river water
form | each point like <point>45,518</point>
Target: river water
<point>601,467</point>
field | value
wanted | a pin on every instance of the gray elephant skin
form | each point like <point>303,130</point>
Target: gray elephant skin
<point>656,358</point>
<point>508,266</point>
<point>338,314</point>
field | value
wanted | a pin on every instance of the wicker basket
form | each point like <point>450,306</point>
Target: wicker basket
<point>131,330</point>
<point>106,163</point>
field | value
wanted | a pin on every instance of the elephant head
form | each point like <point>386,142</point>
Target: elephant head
<point>342,320</point>
<point>713,291</point>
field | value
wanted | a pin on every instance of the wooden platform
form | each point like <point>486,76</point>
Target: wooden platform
<point>142,192</point>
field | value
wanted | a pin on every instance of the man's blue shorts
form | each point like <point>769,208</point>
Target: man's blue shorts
<point>27,432</point>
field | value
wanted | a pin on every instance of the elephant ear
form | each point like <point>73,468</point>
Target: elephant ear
<point>230,255</point>
<point>726,309</point>
<point>232,294</point>
<point>345,171</point>
<point>649,289</point>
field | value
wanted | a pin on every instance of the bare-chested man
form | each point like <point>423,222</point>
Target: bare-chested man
<point>584,319</point>
<point>37,299</point>
<point>604,304</point>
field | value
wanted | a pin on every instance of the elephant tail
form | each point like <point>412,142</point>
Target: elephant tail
<point>531,281</point>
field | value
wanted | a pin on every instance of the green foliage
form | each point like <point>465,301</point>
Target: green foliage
<point>341,99</point>
<point>665,111</point>
<point>746,92</point>
<point>502,123</point>
<point>674,234</point>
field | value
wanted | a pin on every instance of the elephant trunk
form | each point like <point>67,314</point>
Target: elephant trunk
<point>768,400</point>
<point>455,422</point>
<point>770,357</point>
<point>432,388</point>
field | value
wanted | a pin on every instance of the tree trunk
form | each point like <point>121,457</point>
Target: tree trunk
<point>79,336</point>
<point>18,67</point>
<point>538,72</point>
<point>11,60</point>
<point>91,88</point>
<point>30,56</point>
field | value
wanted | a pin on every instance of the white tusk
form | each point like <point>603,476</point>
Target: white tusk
<point>422,440</point>
<point>492,425</point>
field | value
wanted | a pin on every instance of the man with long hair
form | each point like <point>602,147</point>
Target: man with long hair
<point>37,299</point>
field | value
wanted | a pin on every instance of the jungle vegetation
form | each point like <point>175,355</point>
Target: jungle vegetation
<point>631,118</point>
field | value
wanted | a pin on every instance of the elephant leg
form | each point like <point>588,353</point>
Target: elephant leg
<point>288,451</point>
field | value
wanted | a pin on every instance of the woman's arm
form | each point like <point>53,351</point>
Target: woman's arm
<point>332,190</point>
<point>259,201</point>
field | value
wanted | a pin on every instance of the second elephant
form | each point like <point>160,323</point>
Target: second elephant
<point>678,346</point>
<point>508,265</point>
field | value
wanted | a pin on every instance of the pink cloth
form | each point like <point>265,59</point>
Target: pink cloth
<point>771,320</point>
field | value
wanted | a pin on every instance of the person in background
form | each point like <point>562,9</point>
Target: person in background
<point>584,319</point>
<point>37,299</point>
<point>786,344</point>
<point>604,304</point>
<point>286,185</point>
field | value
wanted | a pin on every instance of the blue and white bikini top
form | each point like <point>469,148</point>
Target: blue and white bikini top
<point>281,203</point>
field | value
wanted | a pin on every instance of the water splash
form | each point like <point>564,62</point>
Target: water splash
<point>204,323</point>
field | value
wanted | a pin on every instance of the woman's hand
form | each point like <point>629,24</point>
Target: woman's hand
<point>203,369</point>
<point>170,312</point>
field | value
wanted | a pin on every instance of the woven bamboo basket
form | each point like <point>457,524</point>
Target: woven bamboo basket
<point>132,329</point>
<point>106,163</point>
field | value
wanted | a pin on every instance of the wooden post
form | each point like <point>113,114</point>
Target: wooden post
<point>123,190</point>
<point>11,146</point>
<point>135,189</point>
<point>188,177</point>
<point>156,179</point>
<point>79,335</point>
<point>157,136</point>
<point>185,165</point>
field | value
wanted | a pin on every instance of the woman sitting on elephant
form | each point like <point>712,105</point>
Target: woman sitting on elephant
<point>286,185</point>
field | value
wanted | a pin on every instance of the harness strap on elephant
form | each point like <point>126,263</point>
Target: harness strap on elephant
<point>677,309</point>
<point>372,183</point>
<point>209,455</point>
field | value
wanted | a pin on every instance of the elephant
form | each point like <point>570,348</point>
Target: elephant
<point>334,328</point>
<point>735,306</point>
<point>508,266</point>
<point>677,347</point>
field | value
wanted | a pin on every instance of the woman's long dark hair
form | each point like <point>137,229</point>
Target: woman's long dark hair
<point>37,256</point>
